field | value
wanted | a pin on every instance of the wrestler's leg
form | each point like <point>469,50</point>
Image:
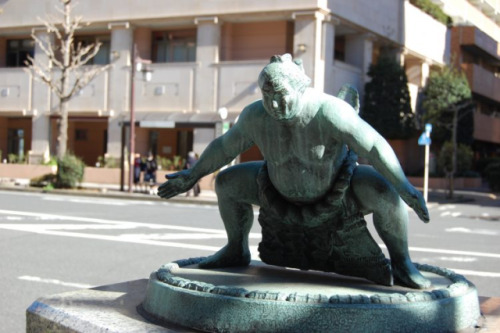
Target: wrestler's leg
<point>390,217</point>
<point>237,190</point>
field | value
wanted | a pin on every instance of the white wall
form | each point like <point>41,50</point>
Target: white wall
<point>171,88</point>
<point>15,90</point>
<point>378,16</point>
<point>425,36</point>
<point>25,12</point>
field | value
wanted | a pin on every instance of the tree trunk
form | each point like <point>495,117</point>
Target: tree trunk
<point>67,41</point>
<point>451,183</point>
<point>62,138</point>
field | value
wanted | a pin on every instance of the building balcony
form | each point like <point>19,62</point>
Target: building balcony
<point>424,36</point>
<point>490,8</point>
<point>15,91</point>
<point>171,88</point>
<point>477,42</point>
<point>237,83</point>
<point>483,82</point>
<point>486,128</point>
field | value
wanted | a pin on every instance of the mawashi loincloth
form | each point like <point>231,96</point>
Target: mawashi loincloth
<point>329,235</point>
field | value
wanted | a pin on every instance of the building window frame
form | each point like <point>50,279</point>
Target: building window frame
<point>174,46</point>
<point>18,51</point>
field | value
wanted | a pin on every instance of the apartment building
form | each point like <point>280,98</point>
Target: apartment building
<point>204,56</point>
<point>475,45</point>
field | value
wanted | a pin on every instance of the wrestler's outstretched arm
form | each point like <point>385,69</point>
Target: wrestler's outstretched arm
<point>368,143</point>
<point>219,152</point>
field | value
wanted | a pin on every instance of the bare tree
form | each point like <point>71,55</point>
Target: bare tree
<point>65,72</point>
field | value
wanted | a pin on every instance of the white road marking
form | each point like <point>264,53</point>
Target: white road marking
<point>54,281</point>
<point>181,236</point>
<point>458,259</point>
<point>476,273</point>
<point>446,207</point>
<point>455,252</point>
<point>98,201</point>
<point>104,221</point>
<point>57,230</point>
<point>485,232</point>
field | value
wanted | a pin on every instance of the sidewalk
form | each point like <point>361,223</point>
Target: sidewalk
<point>479,196</point>
<point>108,191</point>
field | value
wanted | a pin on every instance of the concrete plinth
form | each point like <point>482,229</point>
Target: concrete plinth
<point>112,308</point>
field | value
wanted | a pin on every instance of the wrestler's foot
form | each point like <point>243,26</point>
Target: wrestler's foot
<point>227,257</point>
<point>406,274</point>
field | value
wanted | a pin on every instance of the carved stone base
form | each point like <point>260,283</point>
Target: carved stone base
<point>263,298</point>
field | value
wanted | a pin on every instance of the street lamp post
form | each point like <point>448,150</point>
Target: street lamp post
<point>137,66</point>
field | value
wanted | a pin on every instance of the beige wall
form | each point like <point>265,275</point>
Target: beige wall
<point>24,13</point>
<point>3,137</point>
<point>3,51</point>
<point>256,40</point>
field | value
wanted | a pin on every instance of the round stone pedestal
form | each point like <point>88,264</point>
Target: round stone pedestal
<point>263,298</point>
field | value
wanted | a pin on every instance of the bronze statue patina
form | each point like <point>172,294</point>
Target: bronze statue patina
<point>312,193</point>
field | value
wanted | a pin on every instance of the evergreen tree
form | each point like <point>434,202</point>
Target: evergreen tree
<point>448,106</point>
<point>387,100</point>
<point>448,91</point>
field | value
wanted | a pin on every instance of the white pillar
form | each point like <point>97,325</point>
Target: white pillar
<point>122,39</point>
<point>424,73</point>
<point>328,54</point>
<point>358,52</point>
<point>41,100</point>
<point>309,45</point>
<point>207,54</point>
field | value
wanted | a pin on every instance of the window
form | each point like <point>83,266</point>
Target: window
<point>174,46</point>
<point>339,51</point>
<point>15,142</point>
<point>80,135</point>
<point>18,51</point>
<point>102,56</point>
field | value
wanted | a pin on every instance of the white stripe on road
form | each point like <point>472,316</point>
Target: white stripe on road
<point>126,240</point>
<point>484,232</point>
<point>39,228</point>
<point>476,273</point>
<point>444,251</point>
<point>101,221</point>
<point>54,281</point>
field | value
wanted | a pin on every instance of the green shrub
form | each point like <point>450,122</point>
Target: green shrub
<point>165,163</point>
<point>172,164</point>
<point>13,158</point>
<point>45,181</point>
<point>178,163</point>
<point>427,6</point>
<point>69,171</point>
<point>107,162</point>
<point>464,158</point>
<point>492,173</point>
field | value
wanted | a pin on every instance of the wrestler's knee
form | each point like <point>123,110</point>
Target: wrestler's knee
<point>238,181</point>
<point>222,181</point>
<point>372,189</point>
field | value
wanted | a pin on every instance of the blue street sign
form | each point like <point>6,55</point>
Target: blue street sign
<point>425,138</point>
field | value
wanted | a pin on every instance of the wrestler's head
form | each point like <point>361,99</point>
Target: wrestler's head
<point>282,83</point>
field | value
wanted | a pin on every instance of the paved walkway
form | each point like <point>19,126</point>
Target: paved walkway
<point>479,196</point>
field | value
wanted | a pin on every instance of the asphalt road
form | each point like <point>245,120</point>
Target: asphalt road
<point>56,243</point>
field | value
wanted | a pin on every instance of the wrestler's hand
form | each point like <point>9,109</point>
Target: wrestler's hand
<point>416,201</point>
<point>177,183</point>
